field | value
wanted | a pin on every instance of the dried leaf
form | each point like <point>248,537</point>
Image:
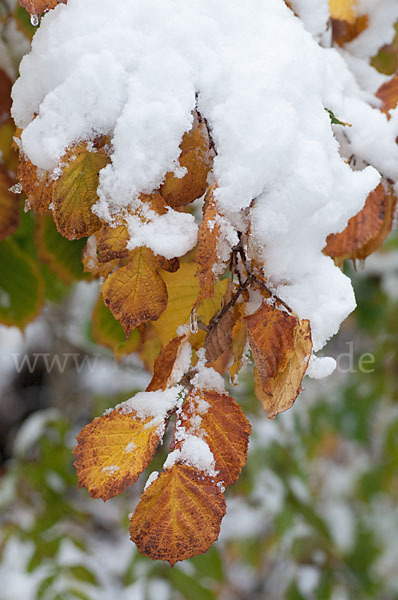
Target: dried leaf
<point>112,452</point>
<point>179,515</point>
<point>75,192</point>
<point>163,375</point>
<point>107,331</point>
<point>388,94</point>
<point>285,387</point>
<point>344,32</point>
<point>9,205</point>
<point>239,341</point>
<point>223,426</point>
<point>207,254</point>
<point>136,293</point>
<point>183,290</point>
<point>195,157</point>
<point>366,231</point>
<point>219,338</point>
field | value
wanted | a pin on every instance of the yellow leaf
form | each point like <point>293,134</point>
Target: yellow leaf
<point>183,290</point>
<point>112,242</point>
<point>75,192</point>
<point>344,10</point>
<point>179,515</point>
<point>112,452</point>
<point>136,293</point>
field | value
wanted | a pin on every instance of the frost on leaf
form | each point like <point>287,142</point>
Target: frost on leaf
<point>136,292</point>
<point>281,348</point>
<point>195,158</point>
<point>365,232</point>
<point>113,450</point>
<point>219,420</point>
<point>9,205</point>
<point>75,192</point>
<point>179,515</point>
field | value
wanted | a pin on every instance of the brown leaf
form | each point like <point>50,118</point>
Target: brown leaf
<point>9,205</point>
<point>285,387</point>
<point>344,31</point>
<point>207,254</point>
<point>220,422</point>
<point>239,340</point>
<point>195,157</point>
<point>219,337</point>
<point>164,365</point>
<point>75,192</point>
<point>5,96</point>
<point>388,94</point>
<point>179,515</point>
<point>112,242</point>
<point>36,184</point>
<point>366,231</point>
<point>136,293</point>
<point>37,7</point>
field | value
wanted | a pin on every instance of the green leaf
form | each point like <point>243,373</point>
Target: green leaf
<point>21,286</point>
<point>335,120</point>
<point>83,574</point>
<point>107,331</point>
<point>189,587</point>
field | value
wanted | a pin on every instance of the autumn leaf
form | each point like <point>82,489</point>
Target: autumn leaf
<point>179,515</point>
<point>164,373</point>
<point>285,387</point>
<point>388,94</point>
<point>136,292</point>
<point>347,24</point>
<point>219,337</point>
<point>149,347</point>
<point>195,158</point>
<point>112,452</point>
<point>37,7</point>
<point>9,205</point>
<point>183,290</point>
<point>239,344</point>
<point>367,230</point>
<point>221,423</point>
<point>63,256</point>
<point>107,331</point>
<point>344,10</point>
<point>112,242</point>
<point>75,192</point>
<point>37,186</point>
<point>5,96</point>
<point>208,240</point>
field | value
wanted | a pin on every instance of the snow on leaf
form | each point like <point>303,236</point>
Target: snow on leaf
<point>223,426</point>
<point>136,292</point>
<point>9,205</point>
<point>183,290</point>
<point>101,446</point>
<point>195,158</point>
<point>283,389</point>
<point>388,94</point>
<point>366,231</point>
<point>179,515</point>
<point>75,192</point>
<point>165,373</point>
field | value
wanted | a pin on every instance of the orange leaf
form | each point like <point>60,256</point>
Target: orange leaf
<point>220,422</point>
<point>207,254</point>
<point>219,338</point>
<point>285,387</point>
<point>114,449</point>
<point>75,192</point>
<point>388,94</point>
<point>164,373</point>
<point>136,293</point>
<point>179,515</point>
<point>37,7</point>
<point>344,31</point>
<point>366,231</point>
<point>195,157</point>
<point>36,185</point>
<point>9,205</point>
<point>239,341</point>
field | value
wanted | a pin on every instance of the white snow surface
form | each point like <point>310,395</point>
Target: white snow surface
<point>136,70</point>
<point>194,452</point>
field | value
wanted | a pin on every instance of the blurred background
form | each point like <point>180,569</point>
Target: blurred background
<point>314,515</point>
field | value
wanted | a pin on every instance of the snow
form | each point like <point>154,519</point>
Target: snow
<point>136,71</point>
<point>207,378</point>
<point>152,477</point>
<point>194,452</point>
